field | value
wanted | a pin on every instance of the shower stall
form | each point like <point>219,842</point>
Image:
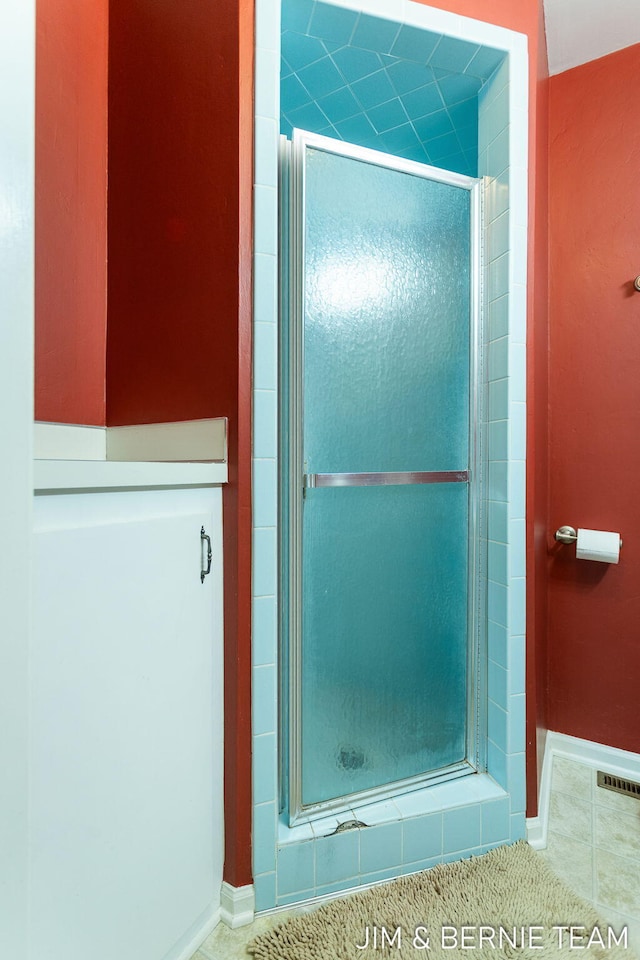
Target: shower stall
<point>389,410</point>
<point>381,449</point>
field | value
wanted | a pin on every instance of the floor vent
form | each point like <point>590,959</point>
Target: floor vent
<point>618,785</point>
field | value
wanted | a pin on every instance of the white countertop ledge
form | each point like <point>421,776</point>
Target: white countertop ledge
<point>61,475</point>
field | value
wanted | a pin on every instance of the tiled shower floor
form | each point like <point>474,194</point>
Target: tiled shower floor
<point>593,845</point>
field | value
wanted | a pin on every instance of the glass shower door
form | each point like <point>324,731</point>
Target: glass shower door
<point>381,396</point>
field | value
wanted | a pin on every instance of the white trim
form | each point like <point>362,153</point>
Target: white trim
<point>195,441</point>
<point>621,763</point>
<point>17,122</point>
<point>59,475</point>
<point>237,905</point>
<point>195,940</point>
<point>536,836</point>
<point>377,158</point>
<point>68,441</point>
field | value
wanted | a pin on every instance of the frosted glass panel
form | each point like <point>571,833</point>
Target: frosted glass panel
<point>384,658</point>
<point>387,297</point>
<point>381,668</point>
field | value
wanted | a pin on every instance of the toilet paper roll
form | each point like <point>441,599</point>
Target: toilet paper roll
<point>598,545</point>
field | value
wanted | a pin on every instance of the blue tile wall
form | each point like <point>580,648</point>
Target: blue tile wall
<point>333,23</point>
<point>264,888</point>
<point>495,824</point>
<point>372,33</point>
<point>415,45</point>
<point>421,865</point>
<point>461,828</point>
<point>507,451</point>
<point>380,847</point>
<point>337,858</point>
<point>296,868</point>
<point>265,784</point>
<point>264,846</point>
<point>419,829</point>
<point>379,84</point>
<point>422,837</point>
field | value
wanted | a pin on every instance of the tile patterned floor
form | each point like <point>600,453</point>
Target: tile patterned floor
<point>593,845</point>
<point>227,944</point>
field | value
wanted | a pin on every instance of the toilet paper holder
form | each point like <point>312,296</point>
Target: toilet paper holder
<point>567,534</point>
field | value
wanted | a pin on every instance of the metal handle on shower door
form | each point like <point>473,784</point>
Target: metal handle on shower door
<point>205,536</point>
<point>311,480</point>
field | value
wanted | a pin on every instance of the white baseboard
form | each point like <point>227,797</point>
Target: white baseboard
<point>621,763</point>
<point>237,905</point>
<point>535,833</point>
<point>188,945</point>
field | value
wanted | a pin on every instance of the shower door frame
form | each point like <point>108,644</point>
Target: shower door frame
<point>292,482</point>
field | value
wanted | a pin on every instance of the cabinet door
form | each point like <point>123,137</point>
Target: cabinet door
<point>127,730</point>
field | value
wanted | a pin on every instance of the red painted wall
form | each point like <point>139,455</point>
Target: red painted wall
<point>237,504</point>
<point>71,210</point>
<point>537,434</point>
<point>180,234</point>
<point>594,392</point>
<point>172,342</point>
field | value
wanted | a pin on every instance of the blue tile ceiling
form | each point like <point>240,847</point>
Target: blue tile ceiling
<point>380,84</point>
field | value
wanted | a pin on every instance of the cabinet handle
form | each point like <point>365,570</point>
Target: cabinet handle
<point>205,536</point>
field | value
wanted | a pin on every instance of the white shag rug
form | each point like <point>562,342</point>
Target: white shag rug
<point>505,904</point>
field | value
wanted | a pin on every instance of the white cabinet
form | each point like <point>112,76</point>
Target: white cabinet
<point>126,724</point>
